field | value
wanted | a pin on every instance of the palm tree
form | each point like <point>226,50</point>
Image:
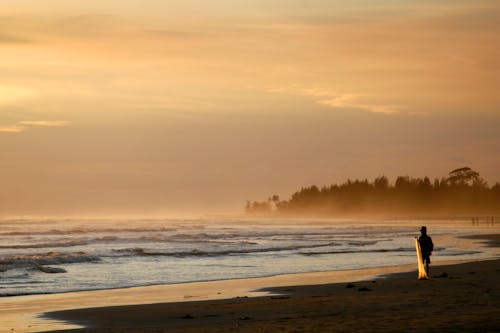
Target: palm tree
<point>463,176</point>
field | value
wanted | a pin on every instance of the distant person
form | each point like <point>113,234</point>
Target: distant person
<point>426,246</point>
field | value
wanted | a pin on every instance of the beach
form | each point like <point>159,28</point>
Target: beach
<point>26,313</point>
<point>459,298</point>
<point>249,166</point>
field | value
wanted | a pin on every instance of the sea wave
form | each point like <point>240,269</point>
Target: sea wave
<point>85,231</point>
<point>49,258</point>
<point>63,243</point>
<point>399,249</point>
<point>459,253</point>
<point>197,252</point>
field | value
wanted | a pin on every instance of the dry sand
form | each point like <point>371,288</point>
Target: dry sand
<point>459,298</point>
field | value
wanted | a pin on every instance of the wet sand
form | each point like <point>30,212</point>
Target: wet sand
<point>22,313</point>
<point>459,298</point>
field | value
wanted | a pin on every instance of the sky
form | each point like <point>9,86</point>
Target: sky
<point>169,107</point>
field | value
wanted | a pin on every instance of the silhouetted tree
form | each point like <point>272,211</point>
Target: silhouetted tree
<point>462,176</point>
<point>381,183</point>
<point>463,191</point>
<point>258,207</point>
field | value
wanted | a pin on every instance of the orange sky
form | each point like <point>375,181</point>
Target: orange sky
<point>160,107</point>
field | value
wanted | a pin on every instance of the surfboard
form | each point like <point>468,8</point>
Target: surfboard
<point>422,274</point>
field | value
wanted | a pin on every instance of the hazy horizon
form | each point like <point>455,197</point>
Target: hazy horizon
<point>120,108</point>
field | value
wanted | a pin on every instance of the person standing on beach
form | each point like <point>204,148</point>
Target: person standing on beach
<point>426,246</point>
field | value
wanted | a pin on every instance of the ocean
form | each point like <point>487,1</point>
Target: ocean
<point>40,256</point>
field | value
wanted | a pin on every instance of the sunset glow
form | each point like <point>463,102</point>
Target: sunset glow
<point>164,107</point>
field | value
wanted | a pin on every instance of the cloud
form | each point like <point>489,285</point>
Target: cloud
<point>340,100</point>
<point>45,123</point>
<point>353,101</point>
<point>22,126</point>
<point>12,128</point>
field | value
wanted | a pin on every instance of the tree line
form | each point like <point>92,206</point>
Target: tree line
<point>461,192</point>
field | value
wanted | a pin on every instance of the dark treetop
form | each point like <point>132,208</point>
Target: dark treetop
<point>462,192</point>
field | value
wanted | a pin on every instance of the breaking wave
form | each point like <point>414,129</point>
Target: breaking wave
<point>199,253</point>
<point>68,243</point>
<point>401,249</point>
<point>85,231</point>
<point>49,258</point>
<point>115,239</point>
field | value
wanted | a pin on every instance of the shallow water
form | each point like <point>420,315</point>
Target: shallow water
<point>52,256</point>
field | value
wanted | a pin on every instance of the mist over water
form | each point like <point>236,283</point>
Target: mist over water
<point>51,256</point>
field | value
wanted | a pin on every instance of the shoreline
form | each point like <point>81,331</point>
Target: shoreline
<point>24,313</point>
<point>459,297</point>
<point>327,272</point>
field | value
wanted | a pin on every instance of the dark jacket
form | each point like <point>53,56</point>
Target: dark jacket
<point>426,245</point>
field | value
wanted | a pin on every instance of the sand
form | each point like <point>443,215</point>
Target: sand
<point>459,298</point>
<point>465,298</point>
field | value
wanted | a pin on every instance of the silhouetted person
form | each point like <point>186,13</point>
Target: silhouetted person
<point>426,246</point>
